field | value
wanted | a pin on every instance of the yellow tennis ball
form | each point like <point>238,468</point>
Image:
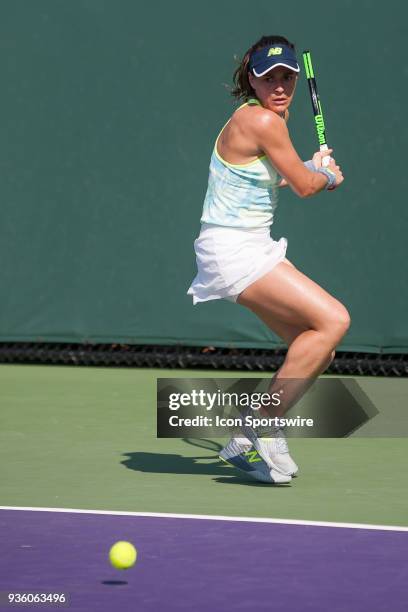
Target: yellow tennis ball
<point>123,555</point>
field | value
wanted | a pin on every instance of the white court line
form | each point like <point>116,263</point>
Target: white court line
<point>211,517</point>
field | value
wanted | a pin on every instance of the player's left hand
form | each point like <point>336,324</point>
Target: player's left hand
<point>318,156</point>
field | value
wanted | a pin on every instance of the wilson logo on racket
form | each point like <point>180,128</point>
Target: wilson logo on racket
<point>320,129</point>
<point>275,51</point>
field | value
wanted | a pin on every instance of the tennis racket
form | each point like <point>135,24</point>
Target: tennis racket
<point>316,105</point>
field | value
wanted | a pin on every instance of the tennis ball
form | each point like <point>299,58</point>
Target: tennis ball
<point>122,555</point>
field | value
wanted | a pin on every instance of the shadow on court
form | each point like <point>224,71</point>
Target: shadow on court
<point>240,480</point>
<point>165,463</point>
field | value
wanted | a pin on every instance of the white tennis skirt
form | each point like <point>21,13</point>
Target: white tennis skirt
<point>230,259</point>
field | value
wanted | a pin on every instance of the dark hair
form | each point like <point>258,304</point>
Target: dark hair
<point>243,89</point>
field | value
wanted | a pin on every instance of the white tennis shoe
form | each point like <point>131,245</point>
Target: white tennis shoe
<point>240,454</point>
<point>273,448</point>
<point>276,450</point>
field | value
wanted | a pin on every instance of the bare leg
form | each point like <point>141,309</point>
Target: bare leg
<point>309,319</point>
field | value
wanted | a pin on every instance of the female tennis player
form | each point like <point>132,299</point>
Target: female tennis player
<point>236,257</point>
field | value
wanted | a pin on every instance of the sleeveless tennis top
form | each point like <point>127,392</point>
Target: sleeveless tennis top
<point>240,195</point>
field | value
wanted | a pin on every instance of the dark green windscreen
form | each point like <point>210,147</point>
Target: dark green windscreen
<point>109,111</point>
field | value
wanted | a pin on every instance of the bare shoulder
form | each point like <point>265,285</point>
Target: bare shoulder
<point>255,119</point>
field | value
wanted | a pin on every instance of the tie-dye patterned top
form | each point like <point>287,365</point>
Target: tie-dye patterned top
<point>241,195</point>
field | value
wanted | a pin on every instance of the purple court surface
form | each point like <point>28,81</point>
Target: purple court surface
<point>202,565</point>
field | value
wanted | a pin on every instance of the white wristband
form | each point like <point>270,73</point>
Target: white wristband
<point>331,177</point>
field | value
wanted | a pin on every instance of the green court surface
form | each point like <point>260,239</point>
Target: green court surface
<point>76,437</point>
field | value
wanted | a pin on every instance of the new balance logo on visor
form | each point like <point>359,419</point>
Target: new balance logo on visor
<point>275,51</point>
<point>265,59</point>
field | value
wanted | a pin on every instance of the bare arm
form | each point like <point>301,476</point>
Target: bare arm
<point>317,161</point>
<point>272,137</point>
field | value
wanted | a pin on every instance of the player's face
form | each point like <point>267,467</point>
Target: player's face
<point>275,89</point>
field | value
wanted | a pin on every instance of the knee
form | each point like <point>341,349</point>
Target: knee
<point>337,323</point>
<point>342,320</point>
